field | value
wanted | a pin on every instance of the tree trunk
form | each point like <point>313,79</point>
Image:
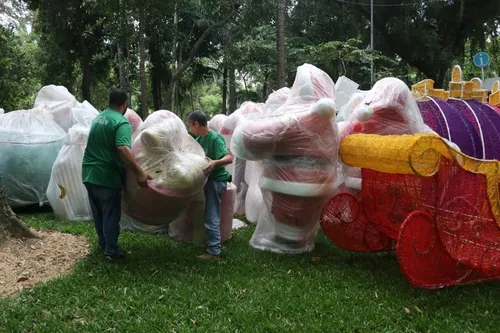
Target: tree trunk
<point>121,68</point>
<point>232,90</point>
<point>142,69</point>
<point>86,78</point>
<point>156,74</point>
<point>176,75</point>
<point>224,91</point>
<point>10,224</point>
<point>175,58</point>
<point>280,44</point>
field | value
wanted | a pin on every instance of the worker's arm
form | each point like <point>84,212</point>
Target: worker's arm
<point>128,159</point>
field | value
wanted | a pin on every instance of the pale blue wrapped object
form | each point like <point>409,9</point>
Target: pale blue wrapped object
<point>29,143</point>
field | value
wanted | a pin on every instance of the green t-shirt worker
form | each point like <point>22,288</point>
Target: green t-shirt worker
<point>216,151</point>
<point>106,156</point>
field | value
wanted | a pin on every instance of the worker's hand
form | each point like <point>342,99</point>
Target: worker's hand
<point>210,167</point>
<point>143,178</point>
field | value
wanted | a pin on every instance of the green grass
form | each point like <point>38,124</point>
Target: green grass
<point>163,287</point>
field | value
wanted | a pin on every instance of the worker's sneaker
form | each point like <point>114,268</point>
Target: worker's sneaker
<point>115,257</point>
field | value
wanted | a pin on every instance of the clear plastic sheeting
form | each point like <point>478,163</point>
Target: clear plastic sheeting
<point>247,111</point>
<point>64,107</point>
<point>297,145</point>
<point>254,202</point>
<point>66,193</point>
<point>190,226</point>
<point>216,122</point>
<point>30,141</point>
<point>166,151</point>
<point>346,110</point>
<point>387,109</point>
<point>135,121</point>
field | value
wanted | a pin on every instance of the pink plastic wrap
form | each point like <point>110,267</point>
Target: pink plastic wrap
<point>387,109</point>
<point>248,110</point>
<point>254,202</point>
<point>135,121</point>
<point>166,151</point>
<point>217,121</point>
<point>298,145</point>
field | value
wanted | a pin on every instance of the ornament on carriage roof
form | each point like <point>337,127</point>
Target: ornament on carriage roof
<point>478,93</point>
<point>457,88</point>
<point>426,88</point>
<point>495,94</point>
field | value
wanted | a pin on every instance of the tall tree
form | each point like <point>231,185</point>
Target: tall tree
<point>280,43</point>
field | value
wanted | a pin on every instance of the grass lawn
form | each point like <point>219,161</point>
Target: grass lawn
<point>163,287</point>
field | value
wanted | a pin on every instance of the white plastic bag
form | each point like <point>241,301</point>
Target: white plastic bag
<point>29,143</point>
<point>66,193</point>
<point>65,109</point>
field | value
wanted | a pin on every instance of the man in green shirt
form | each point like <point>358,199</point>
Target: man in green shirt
<point>218,155</point>
<point>106,156</point>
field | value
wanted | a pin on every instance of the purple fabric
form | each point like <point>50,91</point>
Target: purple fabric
<point>447,121</point>
<point>485,121</point>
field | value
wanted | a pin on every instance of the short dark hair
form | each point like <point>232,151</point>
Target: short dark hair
<point>117,97</point>
<point>198,116</point>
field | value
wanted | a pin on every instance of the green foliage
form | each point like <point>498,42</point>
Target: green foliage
<point>19,79</point>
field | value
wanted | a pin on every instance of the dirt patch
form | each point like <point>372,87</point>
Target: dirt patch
<point>25,262</point>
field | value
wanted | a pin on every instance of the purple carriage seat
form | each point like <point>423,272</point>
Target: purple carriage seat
<point>485,121</point>
<point>446,120</point>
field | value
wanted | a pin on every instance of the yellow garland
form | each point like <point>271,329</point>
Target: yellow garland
<point>418,154</point>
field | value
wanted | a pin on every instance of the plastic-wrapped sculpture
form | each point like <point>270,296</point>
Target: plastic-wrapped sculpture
<point>298,146</point>
<point>388,108</point>
<point>29,143</point>
<point>166,151</point>
<point>190,227</point>
<point>64,107</point>
<point>216,122</point>
<point>135,121</point>
<point>66,193</point>
<point>254,202</point>
<point>438,208</point>
<point>248,110</point>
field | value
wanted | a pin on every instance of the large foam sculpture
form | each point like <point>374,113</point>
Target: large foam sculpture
<point>135,121</point>
<point>298,146</point>
<point>388,108</point>
<point>29,143</point>
<point>166,151</point>
<point>254,202</point>
<point>66,193</point>
<point>217,121</point>
<point>248,110</point>
<point>189,227</point>
<point>64,107</point>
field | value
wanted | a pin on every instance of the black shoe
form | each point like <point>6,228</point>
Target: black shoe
<point>115,257</point>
